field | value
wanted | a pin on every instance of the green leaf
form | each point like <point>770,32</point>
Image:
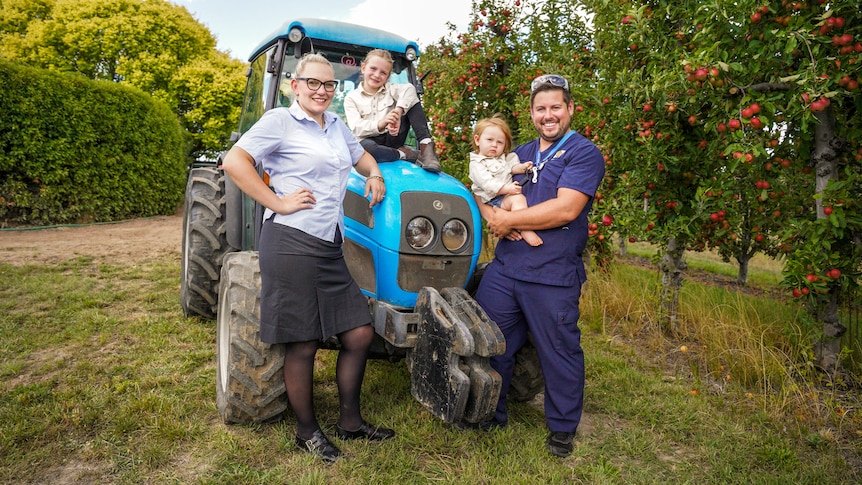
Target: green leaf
<point>791,45</point>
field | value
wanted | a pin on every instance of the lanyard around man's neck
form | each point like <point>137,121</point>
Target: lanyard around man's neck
<point>538,165</point>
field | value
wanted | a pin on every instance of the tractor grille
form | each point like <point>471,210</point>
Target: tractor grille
<point>416,271</point>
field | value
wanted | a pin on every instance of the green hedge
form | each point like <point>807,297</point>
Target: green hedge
<point>74,150</point>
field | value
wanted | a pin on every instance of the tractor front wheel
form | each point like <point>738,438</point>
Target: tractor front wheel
<point>249,373</point>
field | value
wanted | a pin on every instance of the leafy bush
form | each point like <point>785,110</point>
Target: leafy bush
<point>75,150</point>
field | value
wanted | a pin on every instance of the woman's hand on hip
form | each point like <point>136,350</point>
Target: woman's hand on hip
<point>297,201</point>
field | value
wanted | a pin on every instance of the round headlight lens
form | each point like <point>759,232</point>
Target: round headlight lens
<point>454,235</point>
<point>295,35</point>
<point>420,233</point>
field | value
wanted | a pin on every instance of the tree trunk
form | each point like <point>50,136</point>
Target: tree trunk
<point>828,349</point>
<point>623,247</point>
<point>742,275</point>
<point>672,267</point>
<point>825,160</point>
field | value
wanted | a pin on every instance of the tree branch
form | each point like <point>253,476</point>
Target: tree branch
<point>768,87</point>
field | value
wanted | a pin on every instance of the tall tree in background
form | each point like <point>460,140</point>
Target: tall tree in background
<point>151,44</point>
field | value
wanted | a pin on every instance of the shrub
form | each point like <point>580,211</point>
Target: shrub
<point>76,150</point>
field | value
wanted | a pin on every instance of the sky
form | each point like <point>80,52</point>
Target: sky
<point>240,26</point>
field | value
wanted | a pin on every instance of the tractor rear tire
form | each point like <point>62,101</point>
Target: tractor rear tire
<point>249,373</point>
<point>204,242</point>
<point>527,380</point>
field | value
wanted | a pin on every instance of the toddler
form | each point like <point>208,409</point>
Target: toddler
<point>492,166</point>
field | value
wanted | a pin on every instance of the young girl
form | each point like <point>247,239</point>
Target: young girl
<point>492,166</point>
<point>381,113</point>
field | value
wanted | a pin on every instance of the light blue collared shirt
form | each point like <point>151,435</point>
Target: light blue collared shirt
<point>297,153</point>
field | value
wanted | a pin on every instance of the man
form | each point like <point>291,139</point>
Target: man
<point>536,289</point>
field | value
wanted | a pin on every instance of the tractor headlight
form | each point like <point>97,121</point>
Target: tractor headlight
<point>454,235</point>
<point>410,54</point>
<point>419,233</point>
<point>295,35</point>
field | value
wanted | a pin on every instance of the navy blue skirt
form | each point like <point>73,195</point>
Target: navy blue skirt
<point>307,292</point>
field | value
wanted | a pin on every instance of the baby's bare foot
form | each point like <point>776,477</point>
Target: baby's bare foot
<point>532,238</point>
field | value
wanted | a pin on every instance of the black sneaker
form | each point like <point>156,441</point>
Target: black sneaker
<point>560,443</point>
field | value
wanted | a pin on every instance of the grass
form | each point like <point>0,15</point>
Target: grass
<point>102,380</point>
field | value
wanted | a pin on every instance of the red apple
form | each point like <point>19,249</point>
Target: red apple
<point>756,123</point>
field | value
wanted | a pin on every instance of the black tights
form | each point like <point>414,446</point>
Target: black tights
<point>349,372</point>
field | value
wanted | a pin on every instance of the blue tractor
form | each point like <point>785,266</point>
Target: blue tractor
<point>412,255</point>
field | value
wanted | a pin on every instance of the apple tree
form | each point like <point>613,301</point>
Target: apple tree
<point>738,124</point>
<point>664,156</point>
<point>488,69</point>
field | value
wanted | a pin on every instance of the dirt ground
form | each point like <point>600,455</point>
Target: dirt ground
<point>135,240</point>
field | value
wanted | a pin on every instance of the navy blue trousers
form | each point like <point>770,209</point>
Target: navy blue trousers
<point>550,314</point>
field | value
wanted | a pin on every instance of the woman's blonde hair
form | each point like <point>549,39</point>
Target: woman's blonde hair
<point>500,122</point>
<point>309,58</point>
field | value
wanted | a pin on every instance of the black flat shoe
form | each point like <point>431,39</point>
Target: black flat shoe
<point>365,432</point>
<point>320,445</point>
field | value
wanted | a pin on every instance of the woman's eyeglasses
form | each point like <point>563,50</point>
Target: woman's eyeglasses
<point>552,79</point>
<point>314,84</point>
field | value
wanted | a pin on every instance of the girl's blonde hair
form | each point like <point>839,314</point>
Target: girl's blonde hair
<point>500,122</point>
<point>381,53</point>
<point>309,58</point>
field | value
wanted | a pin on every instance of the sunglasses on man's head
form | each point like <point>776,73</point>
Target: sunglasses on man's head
<point>552,79</point>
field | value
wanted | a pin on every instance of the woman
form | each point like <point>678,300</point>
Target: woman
<point>307,293</point>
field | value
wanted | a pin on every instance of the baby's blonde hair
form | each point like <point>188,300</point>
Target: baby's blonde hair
<point>500,122</point>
